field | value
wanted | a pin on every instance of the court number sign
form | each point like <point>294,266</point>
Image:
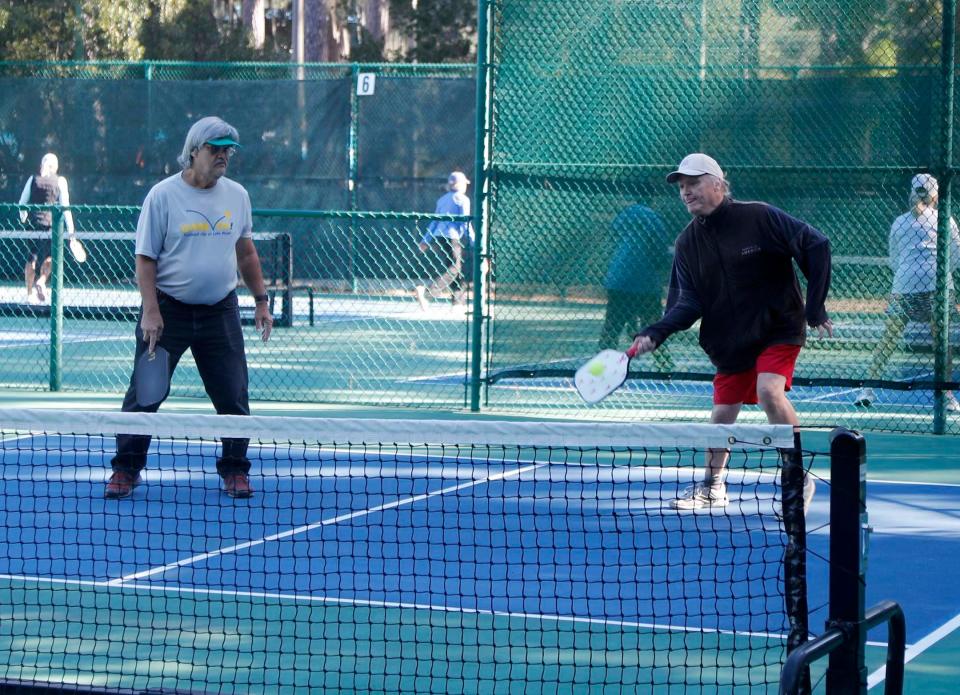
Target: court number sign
<point>366,82</point>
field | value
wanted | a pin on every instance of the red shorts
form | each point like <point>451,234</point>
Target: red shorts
<point>741,387</point>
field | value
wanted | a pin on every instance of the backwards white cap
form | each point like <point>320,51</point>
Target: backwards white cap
<point>924,185</point>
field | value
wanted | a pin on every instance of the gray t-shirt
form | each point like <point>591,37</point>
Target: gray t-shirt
<point>192,234</point>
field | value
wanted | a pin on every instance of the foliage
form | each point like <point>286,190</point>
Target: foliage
<point>192,33</point>
<point>442,31</point>
<point>870,32</point>
<point>38,30</point>
<point>122,30</point>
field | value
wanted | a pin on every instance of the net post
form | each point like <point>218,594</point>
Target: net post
<point>795,556</point>
<point>847,671</point>
<point>56,300</point>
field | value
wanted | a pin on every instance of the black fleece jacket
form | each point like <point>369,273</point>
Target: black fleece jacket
<point>733,270</point>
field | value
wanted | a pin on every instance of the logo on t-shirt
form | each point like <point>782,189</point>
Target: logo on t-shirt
<point>221,226</point>
<point>750,250</point>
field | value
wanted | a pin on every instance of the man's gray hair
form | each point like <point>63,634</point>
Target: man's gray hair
<point>723,183</point>
<point>204,130</point>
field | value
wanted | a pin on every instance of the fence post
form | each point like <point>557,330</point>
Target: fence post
<point>352,172</point>
<point>56,300</point>
<point>942,369</point>
<point>480,194</point>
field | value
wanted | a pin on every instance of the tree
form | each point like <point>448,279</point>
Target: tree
<point>439,31</point>
<point>871,32</point>
<point>70,29</point>
<point>191,32</point>
<point>254,21</point>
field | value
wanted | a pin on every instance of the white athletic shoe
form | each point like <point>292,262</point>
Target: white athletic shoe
<point>420,292</point>
<point>952,405</point>
<point>32,298</point>
<point>701,496</point>
<point>809,490</point>
<point>865,398</point>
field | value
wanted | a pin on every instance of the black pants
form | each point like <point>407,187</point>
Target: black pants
<point>214,336</point>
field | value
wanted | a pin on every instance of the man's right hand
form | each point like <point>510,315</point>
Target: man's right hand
<point>151,324</point>
<point>643,344</point>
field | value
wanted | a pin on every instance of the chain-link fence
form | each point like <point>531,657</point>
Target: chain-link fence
<point>349,328</point>
<point>310,141</point>
<point>826,110</point>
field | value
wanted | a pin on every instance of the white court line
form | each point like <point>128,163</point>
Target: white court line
<point>310,598</point>
<point>908,482</point>
<point>318,524</point>
<point>917,649</point>
<point>825,477</point>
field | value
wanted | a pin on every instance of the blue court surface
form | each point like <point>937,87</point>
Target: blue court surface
<point>422,573</point>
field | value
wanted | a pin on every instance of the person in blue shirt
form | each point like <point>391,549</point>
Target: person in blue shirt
<point>636,277</point>
<point>451,242</point>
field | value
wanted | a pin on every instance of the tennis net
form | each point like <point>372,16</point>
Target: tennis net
<point>396,555</point>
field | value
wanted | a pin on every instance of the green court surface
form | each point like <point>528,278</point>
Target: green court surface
<point>383,349</point>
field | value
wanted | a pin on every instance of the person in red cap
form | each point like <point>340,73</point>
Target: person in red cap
<point>733,271</point>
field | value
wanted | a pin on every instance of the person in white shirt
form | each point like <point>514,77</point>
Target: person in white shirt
<point>194,234</point>
<point>913,257</point>
<point>47,188</point>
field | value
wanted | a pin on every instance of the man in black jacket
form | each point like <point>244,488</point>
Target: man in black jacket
<point>733,270</point>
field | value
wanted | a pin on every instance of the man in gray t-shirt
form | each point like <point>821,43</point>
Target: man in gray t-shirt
<point>194,234</point>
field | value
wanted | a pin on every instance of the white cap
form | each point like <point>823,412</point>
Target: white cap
<point>923,185</point>
<point>696,164</point>
<point>457,177</point>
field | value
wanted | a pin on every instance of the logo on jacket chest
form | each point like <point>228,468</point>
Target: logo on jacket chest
<point>750,250</point>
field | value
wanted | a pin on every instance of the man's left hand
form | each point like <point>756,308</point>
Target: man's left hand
<point>263,320</point>
<point>825,328</point>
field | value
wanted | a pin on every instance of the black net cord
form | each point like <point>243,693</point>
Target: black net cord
<point>795,559</point>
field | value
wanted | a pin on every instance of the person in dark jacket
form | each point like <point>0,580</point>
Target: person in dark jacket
<point>636,276</point>
<point>733,270</point>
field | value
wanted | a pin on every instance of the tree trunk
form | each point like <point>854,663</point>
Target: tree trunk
<point>376,18</point>
<point>316,21</point>
<point>253,19</point>
<point>322,40</point>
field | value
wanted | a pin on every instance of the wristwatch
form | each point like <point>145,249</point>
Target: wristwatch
<point>261,298</point>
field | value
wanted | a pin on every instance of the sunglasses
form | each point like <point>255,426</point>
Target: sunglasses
<point>228,150</point>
